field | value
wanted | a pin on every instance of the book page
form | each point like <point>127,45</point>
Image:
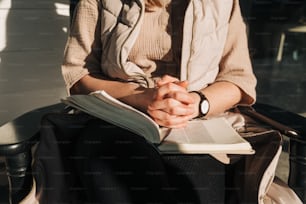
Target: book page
<point>206,136</point>
<point>190,134</point>
<point>212,131</point>
<point>117,113</point>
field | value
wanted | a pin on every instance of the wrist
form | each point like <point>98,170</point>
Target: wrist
<point>142,98</point>
<point>203,104</point>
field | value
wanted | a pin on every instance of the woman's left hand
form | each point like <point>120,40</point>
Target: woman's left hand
<point>173,106</point>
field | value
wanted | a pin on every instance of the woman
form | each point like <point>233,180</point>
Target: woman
<point>175,60</point>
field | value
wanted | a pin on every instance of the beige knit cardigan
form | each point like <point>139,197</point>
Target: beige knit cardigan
<point>229,60</point>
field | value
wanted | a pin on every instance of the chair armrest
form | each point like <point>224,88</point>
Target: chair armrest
<point>17,134</point>
<point>288,118</point>
<point>288,123</point>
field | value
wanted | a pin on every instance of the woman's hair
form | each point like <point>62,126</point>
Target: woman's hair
<point>151,4</point>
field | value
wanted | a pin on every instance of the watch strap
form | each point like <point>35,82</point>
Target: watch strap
<point>202,98</point>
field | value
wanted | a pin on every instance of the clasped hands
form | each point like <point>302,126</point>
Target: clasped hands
<point>173,106</point>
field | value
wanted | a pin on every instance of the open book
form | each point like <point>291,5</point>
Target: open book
<point>214,136</point>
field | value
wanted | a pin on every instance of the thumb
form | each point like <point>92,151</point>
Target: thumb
<point>183,84</point>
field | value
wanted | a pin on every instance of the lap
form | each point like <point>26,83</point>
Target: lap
<point>81,145</point>
<point>187,178</point>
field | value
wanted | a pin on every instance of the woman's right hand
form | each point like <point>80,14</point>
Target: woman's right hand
<point>172,105</point>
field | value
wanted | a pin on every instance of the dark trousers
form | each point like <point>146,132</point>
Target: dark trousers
<point>116,166</point>
<point>81,159</point>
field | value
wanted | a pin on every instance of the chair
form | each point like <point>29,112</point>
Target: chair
<point>293,128</point>
<point>19,136</point>
<point>296,30</point>
<point>17,139</point>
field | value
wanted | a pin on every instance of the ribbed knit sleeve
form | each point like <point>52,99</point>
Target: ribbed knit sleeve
<point>235,65</point>
<point>82,53</point>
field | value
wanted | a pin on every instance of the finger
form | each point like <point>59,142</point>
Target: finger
<point>182,84</point>
<point>168,88</point>
<point>164,119</point>
<point>183,97</point>
<point>167,79</point>
<point>173,122</point>
<point>172,107</point>
<point>164,104</point>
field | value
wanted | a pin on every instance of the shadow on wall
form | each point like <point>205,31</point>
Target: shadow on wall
<point>33,36</point>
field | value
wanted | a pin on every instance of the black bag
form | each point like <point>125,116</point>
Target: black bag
<point>56,183</point>
<point>249,178</point>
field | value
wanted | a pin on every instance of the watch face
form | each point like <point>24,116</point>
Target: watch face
<point>204,107</point>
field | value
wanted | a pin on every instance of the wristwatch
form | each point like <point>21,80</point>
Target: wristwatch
<point>203,105</point>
